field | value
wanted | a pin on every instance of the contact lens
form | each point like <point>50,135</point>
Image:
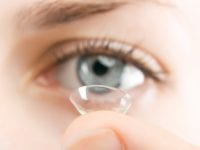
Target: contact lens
<point>92,98</point>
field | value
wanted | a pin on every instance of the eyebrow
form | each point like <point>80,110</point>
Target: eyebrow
<point>44,14</point>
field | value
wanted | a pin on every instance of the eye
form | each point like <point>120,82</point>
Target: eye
<point>99,70</point>
<point>107,71</point>
<point>79,62</point>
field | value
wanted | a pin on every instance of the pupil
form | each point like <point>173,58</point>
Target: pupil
<point>99,69</point>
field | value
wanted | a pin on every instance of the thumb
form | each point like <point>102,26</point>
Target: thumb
<point>111,131</point>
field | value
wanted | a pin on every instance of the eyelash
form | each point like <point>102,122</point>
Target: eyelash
<point>66,50</point>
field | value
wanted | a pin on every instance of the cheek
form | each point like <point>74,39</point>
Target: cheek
<point>30,121</point>
<point>33,123</point>
<point>170,111</point>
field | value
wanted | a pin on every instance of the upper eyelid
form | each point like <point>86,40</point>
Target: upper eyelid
<point>79,45</point>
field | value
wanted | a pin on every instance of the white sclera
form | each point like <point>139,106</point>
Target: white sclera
<point>92,98</point>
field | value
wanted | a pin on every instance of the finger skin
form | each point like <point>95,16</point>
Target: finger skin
<point>134,135</point>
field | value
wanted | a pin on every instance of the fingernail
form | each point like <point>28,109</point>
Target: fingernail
<point>100,139</point>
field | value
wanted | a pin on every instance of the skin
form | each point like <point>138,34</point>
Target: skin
<point>34,116</point>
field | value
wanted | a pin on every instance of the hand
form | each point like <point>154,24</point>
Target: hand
<point>112,131</point>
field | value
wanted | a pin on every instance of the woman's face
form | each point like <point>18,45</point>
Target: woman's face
<point>49,48</point>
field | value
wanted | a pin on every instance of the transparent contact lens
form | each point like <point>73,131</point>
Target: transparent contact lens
<point>92,98</point>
